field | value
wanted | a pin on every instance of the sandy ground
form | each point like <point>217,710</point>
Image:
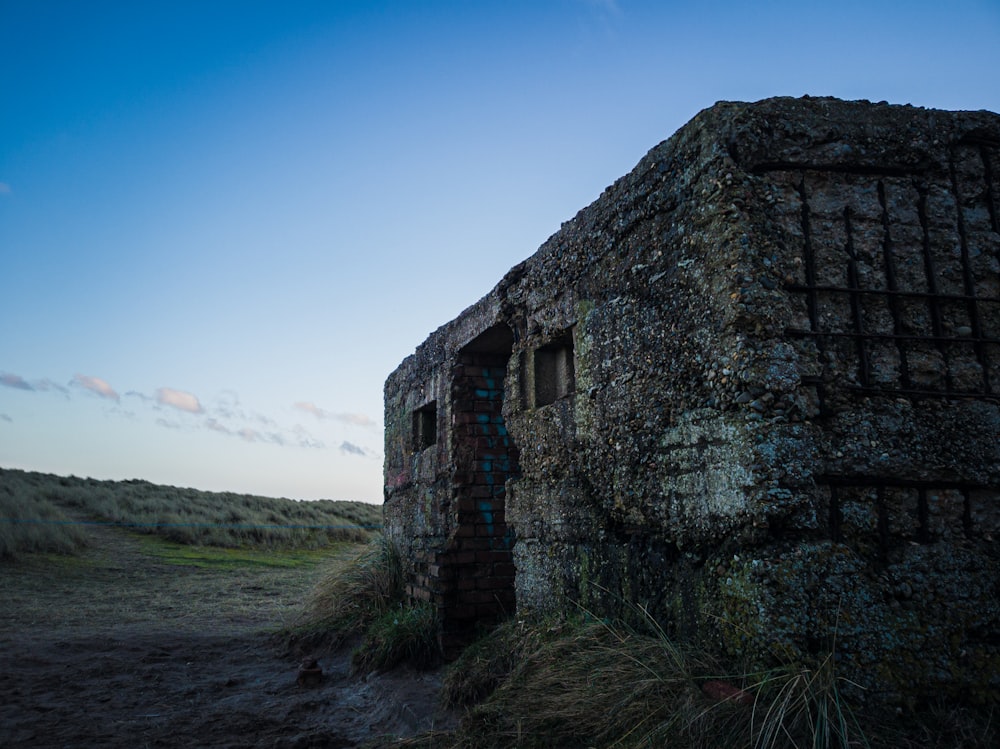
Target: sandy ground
<point>119,649</point>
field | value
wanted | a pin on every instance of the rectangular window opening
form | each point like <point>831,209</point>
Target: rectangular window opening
<point>554,372</point>
<point>425,426</point>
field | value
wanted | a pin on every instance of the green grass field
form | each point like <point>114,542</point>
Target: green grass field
<point>45,513</point>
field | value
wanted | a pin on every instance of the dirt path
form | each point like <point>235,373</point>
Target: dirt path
<point>118,649</point>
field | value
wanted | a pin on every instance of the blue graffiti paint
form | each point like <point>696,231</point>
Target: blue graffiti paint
<point>486,508</point>
<point>508,539</point>
<point>492,461</point>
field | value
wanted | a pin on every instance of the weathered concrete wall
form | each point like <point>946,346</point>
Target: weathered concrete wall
<point>754,388</point>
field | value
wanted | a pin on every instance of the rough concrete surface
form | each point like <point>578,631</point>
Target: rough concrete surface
<point>753,389</point>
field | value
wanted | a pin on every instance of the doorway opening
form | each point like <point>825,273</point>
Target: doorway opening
<point>479,584</point>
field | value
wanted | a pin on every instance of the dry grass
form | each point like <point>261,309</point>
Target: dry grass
<point>804,707</point>
<point>599,685</point>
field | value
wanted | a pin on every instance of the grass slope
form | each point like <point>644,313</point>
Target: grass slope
<point>41,513</point>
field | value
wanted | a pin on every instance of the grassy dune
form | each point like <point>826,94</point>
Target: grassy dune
<point>41,513</point>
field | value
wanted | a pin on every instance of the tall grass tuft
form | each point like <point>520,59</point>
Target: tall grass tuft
<point>406,633</point>
<point>804,707</point>
<point>357,593</point>
<point>366,597</point>
<point>600,685</point>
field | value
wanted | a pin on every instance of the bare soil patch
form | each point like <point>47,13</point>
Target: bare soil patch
<point>117,648</point>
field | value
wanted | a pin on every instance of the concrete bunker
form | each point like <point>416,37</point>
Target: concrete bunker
<point>753,389</point>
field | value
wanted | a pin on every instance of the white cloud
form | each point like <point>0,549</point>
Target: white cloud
<point>96,385</point>
<point>179,399</point>
<point>359,420</point>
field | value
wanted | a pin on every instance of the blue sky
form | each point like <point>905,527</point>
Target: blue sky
<point>222,224</point>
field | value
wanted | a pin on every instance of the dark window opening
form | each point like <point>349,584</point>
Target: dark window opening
<point>554,372</point>
<point>425,426</point>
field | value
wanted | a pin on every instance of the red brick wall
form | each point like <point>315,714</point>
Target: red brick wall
<point>475,575</point>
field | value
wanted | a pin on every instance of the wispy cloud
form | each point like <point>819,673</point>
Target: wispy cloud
<point>225,415</point>
<point>359,420</point>
<point>179,399</point>
<point>15,381</point>
<point>216,426</point>
<point>273,434</point>
<point>96,385</point>
<point>349,448</point>
<point>227,405</point>
<point>47,384</point>
<point>311,408</point>
<point>266,421</point>
<point>4,188</point>
<point>304,439</point>
<point>252,435</point>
